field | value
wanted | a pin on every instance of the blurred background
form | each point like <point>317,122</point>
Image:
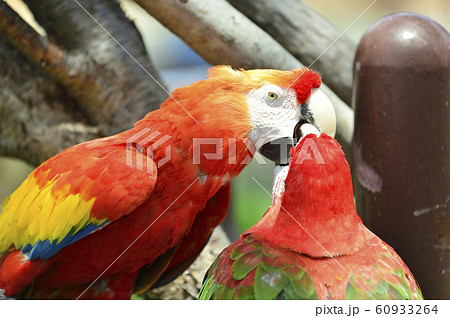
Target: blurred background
<point>180,66</point>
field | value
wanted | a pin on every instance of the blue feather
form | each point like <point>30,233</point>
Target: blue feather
<point>46,249</point>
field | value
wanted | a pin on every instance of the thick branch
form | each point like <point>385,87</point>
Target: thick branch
<point>24,37</point>
<point>37,118</point>
<point>124,89</point>
<point>307,36</point>
<point>220,33</point>
<point>111,88</point>
<point>223,35</point>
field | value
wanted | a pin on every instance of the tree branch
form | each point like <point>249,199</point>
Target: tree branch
<point>307,36</point>
<point>223,35</point>
<point>37,118</point>
<point>214,29</point>
<point>112,89</point>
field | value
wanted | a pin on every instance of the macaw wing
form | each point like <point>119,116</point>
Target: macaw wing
<point>73,194</point>
<point>176,260</point>
<point>247,270</point>
<point>382,277</point>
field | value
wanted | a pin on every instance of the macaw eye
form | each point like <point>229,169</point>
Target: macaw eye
<point>272,96</point>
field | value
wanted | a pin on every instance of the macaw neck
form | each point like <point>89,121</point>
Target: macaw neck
<point>316,215</point>
<point>218,149</point>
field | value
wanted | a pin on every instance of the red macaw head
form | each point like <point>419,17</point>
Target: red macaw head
<point>279,102</point>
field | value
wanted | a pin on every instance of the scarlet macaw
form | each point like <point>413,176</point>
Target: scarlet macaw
<point>112,216</point>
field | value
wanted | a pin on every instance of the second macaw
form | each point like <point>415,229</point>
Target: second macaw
<point>113,216</point>
<point>310,244</point>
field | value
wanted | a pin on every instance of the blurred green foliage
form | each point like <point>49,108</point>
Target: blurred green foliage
<point>249,200</point>
<point>12,173</point>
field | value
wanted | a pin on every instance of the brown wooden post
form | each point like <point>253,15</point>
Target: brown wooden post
<point>401,143</point>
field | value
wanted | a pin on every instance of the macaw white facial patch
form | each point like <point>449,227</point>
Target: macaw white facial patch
<point>274,112</point>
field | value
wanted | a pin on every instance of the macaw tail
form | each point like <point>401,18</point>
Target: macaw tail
<point>119,286</point>
<point>17,271</point>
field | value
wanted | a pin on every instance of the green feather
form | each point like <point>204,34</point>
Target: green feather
<point>403,288</point>
<point>245,293</point>
<point>299,273</point>
<point>380,289</point>
<point>303,287</point>
<point>268,284</point>
<point>268,267</point>
<point>352,293</point>
<point>393,294</point>
<point>245,264</point>
<point>208,289</point>
<point>418,293</point>
<point>399,272</point>
<point>219,292</point>
<point>288,293</point>
<point>384,290</point>
<point>237,252</point>
<point>243,249</point>
<point>212,268</point>
<point>228,293</point>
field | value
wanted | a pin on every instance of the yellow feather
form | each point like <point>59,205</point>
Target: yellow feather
<point>84,208</point>
<point>81,214</point>
<point>47,210</point>
<point>37,211</point>
<point>44,223</point>
<point>22,238</point>
<point>12,235</point>
<point>65,231</point>
<point>73,214</point>
<point>3,228</point>
<point>5,202</point>
<point>55,217</point>
<point>5,225</point>
<point>82,223</point>
<point>77,212</point>
<point>23,212</point>
<point>97,222</point>
<point>13,204</point>
<point>66,211</point>
<point>67,226</point>
<point>4,246</point>
<point>18,195</point>
<point>33,240</point>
